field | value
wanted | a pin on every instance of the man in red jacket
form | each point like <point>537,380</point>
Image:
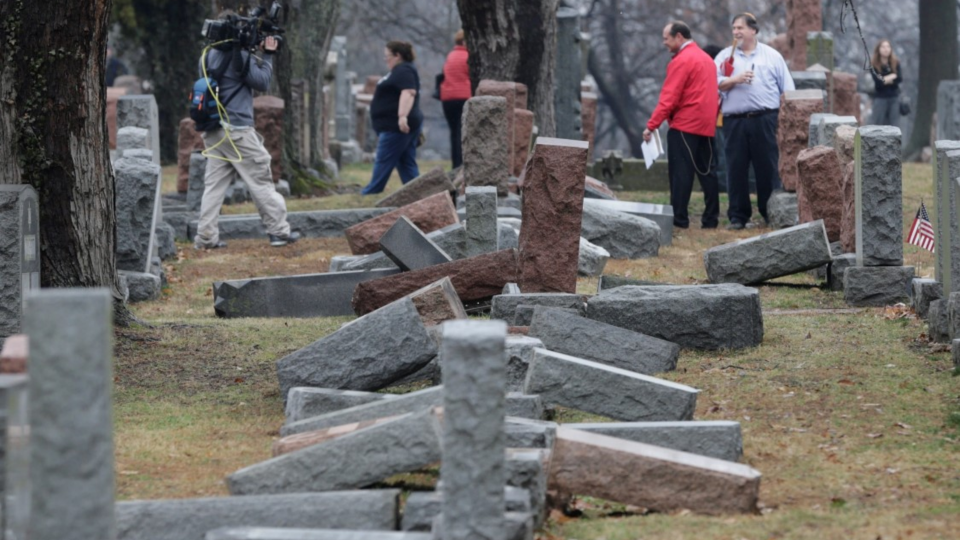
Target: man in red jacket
<point>689,101</point>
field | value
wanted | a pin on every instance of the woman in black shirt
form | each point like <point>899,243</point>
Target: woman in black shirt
<point>886,101</point>
<point>396,117</point>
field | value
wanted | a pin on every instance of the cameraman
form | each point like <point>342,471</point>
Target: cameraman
<point>236,86</point>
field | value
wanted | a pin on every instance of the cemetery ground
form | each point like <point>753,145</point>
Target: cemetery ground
<point>850,414</point>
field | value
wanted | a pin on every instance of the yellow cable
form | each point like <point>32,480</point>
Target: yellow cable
<point>221,110</point>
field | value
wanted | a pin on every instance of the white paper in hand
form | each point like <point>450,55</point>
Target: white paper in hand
<point>652,150</point>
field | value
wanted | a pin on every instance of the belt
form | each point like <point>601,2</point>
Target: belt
<point>751,114</point>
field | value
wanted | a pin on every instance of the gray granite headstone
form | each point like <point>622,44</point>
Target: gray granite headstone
<point>269,533</point>
<point>14,457</point>
<point>131,138</point>
<point>19,253</point>
<point>877,286</point>
<point>809,80</point>
<point>946,223</point>
<point>138,203</point>
<point>482,232</point>
<point>485,152</point>
<point>473,468</point>
<point>948,110</point>
<point>770,255</point>
<point>814,127</point>
<point>71,424</point>
<point>879,196</point>
<point>195,182</point>
<point>717,439</point>
<point>661,214</point>
<point>391,405</point>
<point>409,248</point>
<point>311,224</point>
<point>827,130</point>
<point>141,111</point>
<point>566,100</point>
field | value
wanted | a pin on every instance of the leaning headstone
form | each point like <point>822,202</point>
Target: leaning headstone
<point>946,168</point>
<point>520,405</point>
<point>311,224</point>
<point>141,111</point>
<point>190,519</point>
<point>661,214</point>
<point>451,239</point>
<point>485,154</point>
<point>925,291</point>
<point>879,196</point>
<point>592,260</point>
<point>948,110</point>
<point>307,402</point>
<point>137,207</point>
<point>504,306</point>
<point>793,131</point>
<point>877,286</point>
<point>552,215</point>
<point>473,467</point>
<point>299,441</point>
<point>71,424</point>
<point>827,131</point>
<point>368,353</point>
<point>390,406</point>
<point>692,316</point>
<point>430,214</point>
<point>482,230</point>
<point>14,456</point>
<point>616,393</point>
<point>719,439</point>
<point>406,245</point>
<point>19,253</point>
<point>624,236</point>
<point>195,181</point>
<point>818,187</point>
<point>433,182</point>
<point>768,256</point>
<point>650,476</point>
<point>567,333</point>
<point>268,533</point>
<point>782,209</point>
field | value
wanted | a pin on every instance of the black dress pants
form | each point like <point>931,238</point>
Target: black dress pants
<point>453,111</point>
<point>689,155</point>
<point>751,140</point>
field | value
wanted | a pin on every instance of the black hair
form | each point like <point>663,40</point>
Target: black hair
<point>402,48</point>
<point>680,27</point>
<point>749,19</point>
<point>712,50</point>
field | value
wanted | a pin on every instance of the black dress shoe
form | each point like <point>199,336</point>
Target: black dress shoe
<point>736,226</point>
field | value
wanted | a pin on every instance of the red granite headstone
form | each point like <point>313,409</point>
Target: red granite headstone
<point>188,140</point>
<point>507,90</point>
<point>819,188</point>
<point>434,212</point>
<point>802,16</point>
<point>848,221</point>
<point>793,133</point>
<point>846,100</point>
<point>13,357</point>
<point>522,134</point>
<point>268,119</point>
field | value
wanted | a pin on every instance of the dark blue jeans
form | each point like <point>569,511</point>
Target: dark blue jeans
<point>395,150</point>
<point>751,140</point>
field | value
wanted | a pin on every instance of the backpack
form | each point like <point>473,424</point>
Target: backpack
<point>203,103</point>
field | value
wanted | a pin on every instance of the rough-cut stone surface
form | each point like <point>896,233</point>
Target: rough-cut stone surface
<point>596,388</point>
<point>313,224</point>
<point>693,316</point>
<point>15,451</point>
<point>140,110</point>
<point>430,214</point>
<point>838,266</point>
<point>527,469</point>
<point>946,230</point>
<point>877,286</point>
<point>190,519</point>
<point>608,281</point>
<point>307,402</point>
<point>391,406</point>
<point>521,405</point>
<point>451,239</point>
<point>507,236</point>
<point>307,295</point>
<point>522,136</point>
<point>793,133</point>
<point>349,462</point>
<point>848,219</point>
<point>519,351</point>
<point>197,170</point>
<point>924,292</point>
<point>818,188</point>
<point>188,142</point>
<point>508,91</point>
<point>768,256</point>
<point>472,472</point>
<point>828,130</point>
<point>485,153</point>
<point>552,215</point>
<point>813,129</point>
<point>482,228</point>
<point>268,533</point>
<point>650,476</point>
<point>366,354</point>
<point>419,188</point>
<point>137,198</point>
<point>624,235</point>
<point>71,425</point>
<point>179,222</point>
<point>661,214</point>
<point>567,333</point>
<point>406,245</point>
<point>132,138</point>
<point>475,278</point>
<point>843,139</point>
<point>422,507</point>
<point>529,433</point>
<point>715,439</point>
<point>143,287</point>
<point>19,253</point>
<point>593,259</point>
<point>16,351</point>
<point>953,315</point>
<point>802,16</point>
<point>438,302</point>
<point>268,119</point>
<point>166,241</point>
<point>948,110</point>
<point>845,99</point>
<point>879,196</point>
<point>782,210</point>
<point>504,306</point>
<point>299,441</point>
<point>938,321</point>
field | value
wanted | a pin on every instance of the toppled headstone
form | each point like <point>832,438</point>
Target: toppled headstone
<point>355,461</point>
<point>406,245</point>
<point>505,306</point>
<point>661,214</point>
<point>770,255</point>
<point>625,236</point>
<point>693,316</point>
<point>485,153</point>
<point>190,519</point>
<point>527,469</point>
<point>529,433</point>
<point>793,131</point>
<point>438,302</point>
<point>593,259</point>
<point>715,439</point>
<point>608,391</point>
<point>451,239</point>
<point>430,214</point>
<point>519,350</point>
<point>818,188</point>
<point>879,184</point>
<point>924,292</point>
<point>368,353</point>
<point>312,224</point>
<point>877,285</point>
<point>475,278</point>
<point>527,406</point>
<point>578,336</point>
<point>552,215</point>
<point>482,229</point>
<point>433,182</point>
<point>307,402</point>
<point>391,406</point>
<point>608,281</point>
<point>650,476</point>
<point>142,286</point>
<point>306,295</point>
<point>422,507</point>
<point>299,441</point>
<point>268,533</point>
<point>782,210</point>
<point>19,253</point>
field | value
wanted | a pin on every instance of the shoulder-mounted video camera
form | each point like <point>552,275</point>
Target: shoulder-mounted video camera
<point>246,32</point>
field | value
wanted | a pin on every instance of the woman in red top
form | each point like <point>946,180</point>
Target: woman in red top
<point>454,93</point>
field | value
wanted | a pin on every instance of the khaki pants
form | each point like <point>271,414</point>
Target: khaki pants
<point>254,170</point>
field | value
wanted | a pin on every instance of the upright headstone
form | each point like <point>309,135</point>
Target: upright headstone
<point>793,132</point>
<point>188,142</point>
<point>948,110</point>
<point>879,196</point>
<point>947,223</point>
<point>803,16</point>
<point>813,129</point>
<point>71,425</point>
<point>566,100</point>
<point>19,253</point>
<point>195,182</point>
<point>485,154</point>
<point>508,91</point>
<point>473,470</point>
<point>552,216</point>
<point>14,457</point>
<point>141,111</point>
<point>820,49</point>
<point>138,203</point>
<point>481,224</point>
<point>844,98</point>
<point>132,138</point>
<point>827,130</point>
<point>819,188</point>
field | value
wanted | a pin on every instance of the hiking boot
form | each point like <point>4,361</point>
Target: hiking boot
<point>736,226</point>
<point>218,245</point>
<point>280,241</point>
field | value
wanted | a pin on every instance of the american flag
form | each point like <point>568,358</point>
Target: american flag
<point>921,232</point>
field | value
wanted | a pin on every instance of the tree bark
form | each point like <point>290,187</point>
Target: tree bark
<point>938,62</point>
<point>538,51</point>
<point>493,39</point>
<point>53,135</point>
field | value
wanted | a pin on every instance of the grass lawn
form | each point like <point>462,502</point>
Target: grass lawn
<point>851,416</point>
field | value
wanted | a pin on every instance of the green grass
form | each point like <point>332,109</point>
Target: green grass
<point>851,416</point>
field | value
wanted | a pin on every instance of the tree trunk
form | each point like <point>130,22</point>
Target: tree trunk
<point>53,135</point>
<point>938,62</point>
<point>538,51</point>
<point>493,38</point>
